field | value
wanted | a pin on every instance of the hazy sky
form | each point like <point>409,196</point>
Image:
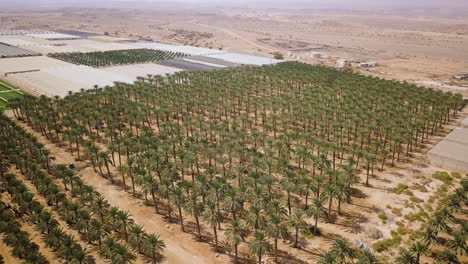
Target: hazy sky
<point>355,4</point>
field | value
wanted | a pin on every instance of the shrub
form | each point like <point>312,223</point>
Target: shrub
<point>383,216</point>
<point>443,176</point>
<point>415,199</point>
<point>420,188</point>
<point>400,188</point>
<point>419,216</point>
<point>396,211</point>
<point>408,192</point>
<point>278,55</point>
<point>401,230</point>
<point>385,244</point>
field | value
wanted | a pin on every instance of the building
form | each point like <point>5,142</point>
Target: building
<point>463,76</point>
<point>368,64</point>
<point>342,63</point>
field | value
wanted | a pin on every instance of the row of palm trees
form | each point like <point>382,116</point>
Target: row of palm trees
<point>253,145</point>
<point>23,248</point>
<point>342,252</point>
<point>447,228</point>
<point>86,211</point>
<point>64,245</point>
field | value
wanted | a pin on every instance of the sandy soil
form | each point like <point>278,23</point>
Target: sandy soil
<point>407,46</point>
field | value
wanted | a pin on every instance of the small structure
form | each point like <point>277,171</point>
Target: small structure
<point>342,63</point>
<point>368,64</point>
<point>463,76</point>
<point>316,55</point>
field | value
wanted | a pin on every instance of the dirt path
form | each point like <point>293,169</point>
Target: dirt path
<point>180,247</point>
<point>235,35</point>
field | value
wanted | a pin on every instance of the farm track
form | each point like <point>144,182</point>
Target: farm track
<point>175,252</point>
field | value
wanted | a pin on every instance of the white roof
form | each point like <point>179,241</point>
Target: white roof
<point>244,59</point>
<point>53,36</point>
<point>141,70</point>
<point>191,50</point>
<point>28,63</point>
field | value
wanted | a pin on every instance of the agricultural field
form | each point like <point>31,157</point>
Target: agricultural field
<point>9,93</point>
<point>117,57</point>
<point>257,162</point>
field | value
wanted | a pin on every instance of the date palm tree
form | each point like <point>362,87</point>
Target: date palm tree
<point>297,222</point>
<point>213,217</point>
<point>367,257</point>
<point>153,247</point>
<point>260,245</point>
<point>317,210</point>
<point>406,257</point>
<point>418,249</point>
<point>136,236</point>
<point>343,251</point>
<point>195,208</point>
<point>235,234</point>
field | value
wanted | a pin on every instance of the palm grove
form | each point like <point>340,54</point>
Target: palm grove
<point>264,151</point>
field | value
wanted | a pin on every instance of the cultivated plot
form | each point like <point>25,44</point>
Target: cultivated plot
<point>11,52</point>
<point>8,93</point>
<point>35,63</point>
<point>119,57</point>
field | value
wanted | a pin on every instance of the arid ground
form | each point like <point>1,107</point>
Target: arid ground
<point>423,47</point>
<point>425,50</point>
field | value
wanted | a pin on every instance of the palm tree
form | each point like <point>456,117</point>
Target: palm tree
<point>235,234</point>
<point>46,222</point>
<point>123,221</point>
<point>109,247</point>
<point>213,217</point>
<point>123,170</point>
<point>458,243</point>
<point>418,249</point>
<point>447,256</point>
<point>316,210</point>
<point>97,231</point>
<point>122,255</point>
<point>259,245</point>
<point>342,250</point>
<point>327,258</point>
<point>178,198</point>
<point>137,236</point>
<point>82,257</point>
<point>153,246</point>
<point>276,229</point>
<point>195,208</point>
<point>406,257</point>
<point>368,258</point>
<point>296,221</point>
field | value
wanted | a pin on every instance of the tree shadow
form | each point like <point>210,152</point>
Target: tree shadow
<point>355,192</point>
